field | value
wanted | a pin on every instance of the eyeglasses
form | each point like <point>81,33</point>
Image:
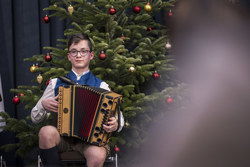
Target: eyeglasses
<point>83,53</point>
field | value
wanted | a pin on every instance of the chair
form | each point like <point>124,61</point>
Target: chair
<point>75,158</point>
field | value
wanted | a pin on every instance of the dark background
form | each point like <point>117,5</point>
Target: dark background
<point>22,35</point>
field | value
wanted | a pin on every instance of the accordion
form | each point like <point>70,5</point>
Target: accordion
<point>82,110</point>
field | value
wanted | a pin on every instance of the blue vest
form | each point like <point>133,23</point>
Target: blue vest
<point>86,79</point>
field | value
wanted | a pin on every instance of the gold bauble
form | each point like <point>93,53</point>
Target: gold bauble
<point>148,7</point>
<point>120,51</point>
<point>70,9</point>
<point>168,45</point>
<point>132,69</point>
<point>33,68</point>
<point>39,78</point>
<point>127,124</point>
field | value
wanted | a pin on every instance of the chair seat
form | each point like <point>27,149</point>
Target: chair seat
<point>77,159</point>
<point>71,156</point>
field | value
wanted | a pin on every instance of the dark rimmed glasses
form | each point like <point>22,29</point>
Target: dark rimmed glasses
<point>83,53</point>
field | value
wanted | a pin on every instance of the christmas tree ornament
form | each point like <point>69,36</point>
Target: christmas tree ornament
<point>37,65</point>
<point>20,94</point>
<point>156,75</point>
<point>112,11</point>
<point>117,149</point>
<point>33,68</point>
<point>39,78</point>
<point>123,37</point>
<point>136,9</point>
<point>170,13</point>
<point>120,51</point>
<point>70,9</point>
<point>132,69</point>
<point>47,58</point>
<point>102,56</point>
<point>169,100</point>
<point>55,5</point>
<point>127,124</point>
<point>168,45</point>
<point>148,7</point>
<point>47,83</point>
<point>16,100</point>
<point>149,29</point>
<point>46,19</point>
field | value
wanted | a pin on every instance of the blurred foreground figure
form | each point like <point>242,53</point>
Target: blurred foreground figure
<point>212,48</point>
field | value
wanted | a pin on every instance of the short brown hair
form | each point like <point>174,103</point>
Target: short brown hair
<point>79,37</point>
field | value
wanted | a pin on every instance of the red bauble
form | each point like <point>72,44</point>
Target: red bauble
<point>37,65</point>
<point>102,56</point>
<point>149,29</point>
<point>48,58</point>
<point>20,94</point>
<point>169,100</point>
<point>156,75</point>
<point>112,11</point>
<point>47,82</point>
<point>16,100</point>
<point>170,13</point>
<point>123,37</point>
<point>137,9</point>
<point>46,19</point>
<point>117,149</point>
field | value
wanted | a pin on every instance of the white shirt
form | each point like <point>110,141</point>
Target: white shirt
<point>38,113</point>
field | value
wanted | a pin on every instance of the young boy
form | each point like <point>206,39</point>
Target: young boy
<point>50,142</point>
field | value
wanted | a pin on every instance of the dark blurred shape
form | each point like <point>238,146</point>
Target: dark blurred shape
<point>211,44</point>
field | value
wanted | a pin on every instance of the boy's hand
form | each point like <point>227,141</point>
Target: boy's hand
<point>111,126</point>
<point>50,104</point>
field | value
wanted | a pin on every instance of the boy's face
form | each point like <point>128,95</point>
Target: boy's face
<point>80,63</point>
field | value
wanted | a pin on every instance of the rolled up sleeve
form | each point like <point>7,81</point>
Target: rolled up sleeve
<point>38,113</point>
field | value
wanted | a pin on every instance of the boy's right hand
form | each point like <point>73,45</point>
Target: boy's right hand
<point>50,104</point>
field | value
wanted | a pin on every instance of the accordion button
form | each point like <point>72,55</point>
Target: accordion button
<point>96,135</point>
<point>105,105</point>
<point>110,102</point>
<point>97,129</point>
<point>109,97</point>
<point>65,110</point>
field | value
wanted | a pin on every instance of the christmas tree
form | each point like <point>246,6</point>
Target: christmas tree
<point>132,54</point>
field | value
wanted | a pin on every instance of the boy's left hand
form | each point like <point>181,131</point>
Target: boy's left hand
<point>111,126</point>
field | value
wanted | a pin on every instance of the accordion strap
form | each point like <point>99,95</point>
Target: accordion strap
<point>67,80</point>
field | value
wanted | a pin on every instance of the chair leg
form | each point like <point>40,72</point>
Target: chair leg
<point>39,161</point>
<point>2,162</point>
<point>116,160</point>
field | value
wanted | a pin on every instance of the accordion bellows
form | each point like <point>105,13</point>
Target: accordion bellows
<point>82,110</point>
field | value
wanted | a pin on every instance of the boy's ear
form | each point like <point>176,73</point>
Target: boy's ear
<point>68,55</point>
<point>92,55</point>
